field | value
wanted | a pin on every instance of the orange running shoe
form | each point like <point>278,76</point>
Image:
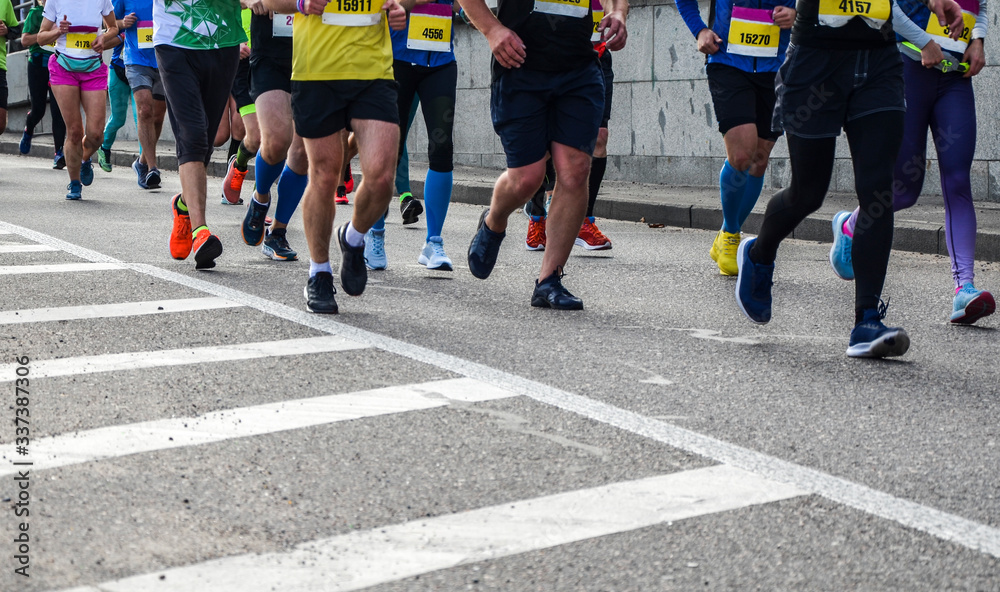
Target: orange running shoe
<point>349,180</point>
<point>536,234</point>
<point>180,235</point>
<point>206,247</point>
<point>232,185</point>
<point>342,196</point>
<point>591,238</point>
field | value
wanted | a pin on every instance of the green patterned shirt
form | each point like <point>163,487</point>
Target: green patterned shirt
<point>197,24</point>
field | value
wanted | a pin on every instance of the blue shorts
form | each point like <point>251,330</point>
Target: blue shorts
<point>532,109</point>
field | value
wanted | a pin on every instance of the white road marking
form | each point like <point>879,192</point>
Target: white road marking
<point>149,436</point>
<point>41,368</point>
<point>949,527</point>
<point>56,268</point>
<point>361,559</point>
<point>26,248</point>
<point>124,309</point>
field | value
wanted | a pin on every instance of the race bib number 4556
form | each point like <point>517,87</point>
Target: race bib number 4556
<point>430,28</point>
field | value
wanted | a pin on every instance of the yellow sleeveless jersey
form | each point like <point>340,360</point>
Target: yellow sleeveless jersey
<point>336,52</point>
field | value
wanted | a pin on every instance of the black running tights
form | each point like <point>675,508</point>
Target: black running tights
<point>41,95</point>
<point>874,141</point>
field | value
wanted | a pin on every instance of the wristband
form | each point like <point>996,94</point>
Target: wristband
<point>300,5</point>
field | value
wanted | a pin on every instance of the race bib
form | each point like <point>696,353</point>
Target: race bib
<point>430,28</point>
<point>80,44</point>
<point>837,13</point>
<point>752,32</point>
<point>352,13</point>
<point>970,9</point>
<point>282,25</point>
<point>570,8</point>
<point>598,11</point>
<point>144,30</point>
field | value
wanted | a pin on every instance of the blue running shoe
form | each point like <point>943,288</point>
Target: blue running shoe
<point>484,249</point>
<point>25,145</point>
<point>59,161</point>
<point>872,339</point>
<point>86,172</point>
<point>971,305</point>
<point>141,172</point>
<point>253,223</point>
<point>753,285</point>
<point>550,293</point>
<point>153,178</point>
<point>840,252</point>
<point>75,190</point>
<point>375,250</point>
<point>276,246</point>
<point>433,255</point>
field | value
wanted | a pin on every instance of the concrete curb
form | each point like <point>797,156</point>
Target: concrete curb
<point>919,237</point>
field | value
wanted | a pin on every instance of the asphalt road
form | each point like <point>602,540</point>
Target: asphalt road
<point>416,440</point>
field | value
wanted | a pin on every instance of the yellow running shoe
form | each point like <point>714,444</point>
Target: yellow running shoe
<point>723,252</point>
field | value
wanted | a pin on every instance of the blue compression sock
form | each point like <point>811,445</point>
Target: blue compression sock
<point>754,187</point>
<point>380,223</point>
<point>291,186</point>
<point>266,174</point>
<point>732,187</point>
<point>437,196</point>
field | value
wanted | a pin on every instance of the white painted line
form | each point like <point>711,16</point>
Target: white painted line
<point>361,559</point>
<point>149,436</point>
<point>124,309</point>
<point>949,527</point>
<point>56,268</point>
<point>180,357</point>
<point>26,248</point>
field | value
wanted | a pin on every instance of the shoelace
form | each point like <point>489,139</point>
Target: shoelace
<point>378,247</point>
<point>883,307</point>
<point>438,249</point>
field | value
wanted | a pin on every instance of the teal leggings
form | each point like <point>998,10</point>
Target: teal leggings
<point>120,95</point>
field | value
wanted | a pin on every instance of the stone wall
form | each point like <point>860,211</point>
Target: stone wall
<point>663,127</point>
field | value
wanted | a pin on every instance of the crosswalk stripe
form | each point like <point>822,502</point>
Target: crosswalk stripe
<point>26,248</point>
<point>56,268</point>
<point>149,436</point>
<point>180,357</point>
<point>122,309</point>
<point>386,554</point>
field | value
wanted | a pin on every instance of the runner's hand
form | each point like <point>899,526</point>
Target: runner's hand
<point>507,47</point>
<point>257,7</point>
<point>64,25</point>
<point>244,51</point>
<point>975,56</point>
<point>708,41</point>
<point>3,29</point>
<point>931,55</point>
<point>98,44</point>
<point>784,17</point>
<point>129,20</point>
<point>397,15</point>
<point>949,14</point>
<point>314,6</point>
<point>613,31</point>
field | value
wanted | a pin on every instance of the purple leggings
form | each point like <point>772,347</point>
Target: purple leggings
<point>945,103</point>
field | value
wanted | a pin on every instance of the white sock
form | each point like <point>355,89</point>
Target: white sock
<point>315,268</point>
<point>353,237</point>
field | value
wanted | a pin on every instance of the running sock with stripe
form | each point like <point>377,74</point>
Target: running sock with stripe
<point>234,145</point>
<point>243,156</point>
<point>266,173</point>
<point>750,196</point>
<point>194,233</point>
<point>353,237</point>
<point>850,223</point>
<point>597,168</point>
<point>732,187</point>
<point>315,268</point>
<point>291,186</point>
<point>437,196</point>
<point>181,205</point>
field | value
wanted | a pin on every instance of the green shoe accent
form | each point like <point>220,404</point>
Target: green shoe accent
<point>404,195</point>
<point>104,159</point>
<point>194,233</point>
<point>181,205</point>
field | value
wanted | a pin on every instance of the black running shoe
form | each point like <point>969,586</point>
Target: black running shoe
<point>253,223</point>
<point>353,272</point>
<point>484,249</point>
<point>550,293</point>
<point>319,293</point>
<point>410,208</point>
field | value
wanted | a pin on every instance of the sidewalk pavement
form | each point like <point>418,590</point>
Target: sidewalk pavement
<point>919,229</point>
